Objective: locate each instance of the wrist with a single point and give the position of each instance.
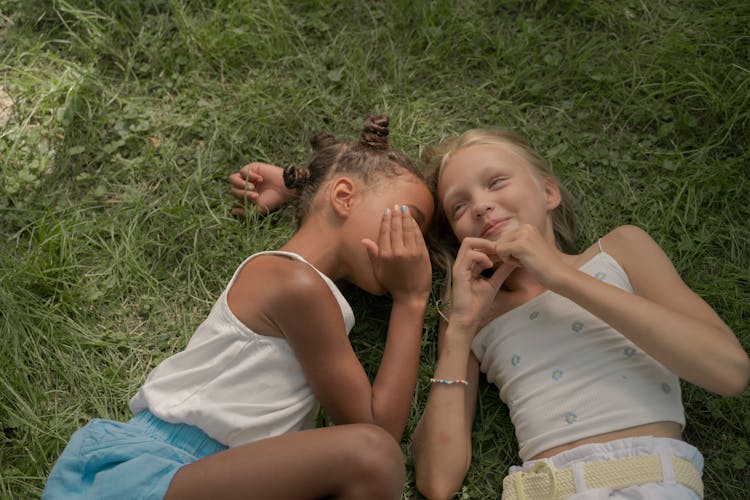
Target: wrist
(464, 323)
(461, 329)
(453, 354)
(565, 282)
(416, 300)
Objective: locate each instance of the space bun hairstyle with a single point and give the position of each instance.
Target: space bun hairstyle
(368, 159)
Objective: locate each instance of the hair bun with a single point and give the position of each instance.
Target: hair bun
(295, 178)
(375, 132)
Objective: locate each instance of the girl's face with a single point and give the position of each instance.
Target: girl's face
(405, 189)
(487, 189)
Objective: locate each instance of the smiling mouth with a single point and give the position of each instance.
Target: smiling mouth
(495, 227)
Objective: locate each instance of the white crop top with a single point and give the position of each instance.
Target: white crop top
(566, 375)
(236, 385)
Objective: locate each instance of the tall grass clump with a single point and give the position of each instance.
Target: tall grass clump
(120, 121)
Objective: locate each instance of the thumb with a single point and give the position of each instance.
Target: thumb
(372, 248)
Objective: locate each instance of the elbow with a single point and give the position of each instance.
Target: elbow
(436, 480)
(737, 378)
(440, 463)
(435, 486)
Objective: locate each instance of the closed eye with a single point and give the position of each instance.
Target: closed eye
(496, 182)
(457, 209)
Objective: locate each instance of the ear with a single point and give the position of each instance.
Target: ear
(552, 195)
(342, 196)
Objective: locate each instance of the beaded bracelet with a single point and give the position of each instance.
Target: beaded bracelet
(449, 381)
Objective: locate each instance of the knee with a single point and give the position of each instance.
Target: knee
(378, 462)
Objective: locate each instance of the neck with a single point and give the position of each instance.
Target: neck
(313, 242)
(520, 279)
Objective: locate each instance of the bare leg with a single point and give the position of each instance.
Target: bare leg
(345, 461)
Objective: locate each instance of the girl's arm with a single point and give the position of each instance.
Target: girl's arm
(671, 322)
(663, 317)
(441, 445)
(442, 441)
(311, 320)
(401, 263)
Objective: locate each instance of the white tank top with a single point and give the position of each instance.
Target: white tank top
(234, 384)
(566, 375)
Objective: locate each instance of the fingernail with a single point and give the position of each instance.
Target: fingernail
(403, 208)
(387, 211)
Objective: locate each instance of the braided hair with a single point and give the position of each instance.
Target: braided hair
(368, 158)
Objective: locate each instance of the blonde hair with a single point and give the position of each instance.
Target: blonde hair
(444, 243)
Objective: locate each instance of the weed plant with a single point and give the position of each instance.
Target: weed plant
(120, 121)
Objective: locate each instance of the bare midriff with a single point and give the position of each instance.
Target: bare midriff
(657, 429)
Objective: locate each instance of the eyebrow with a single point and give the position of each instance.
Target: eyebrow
(453, 192)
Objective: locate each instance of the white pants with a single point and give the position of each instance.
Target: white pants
(623, 448)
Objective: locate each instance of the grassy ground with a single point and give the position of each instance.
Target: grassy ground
(120, 120)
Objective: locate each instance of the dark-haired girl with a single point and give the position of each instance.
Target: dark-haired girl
(232, 415)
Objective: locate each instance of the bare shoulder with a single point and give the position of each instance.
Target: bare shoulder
(289, 284)
(627, 242)
(289, 274)
(627, 233)
(271, 287)
(647, 265)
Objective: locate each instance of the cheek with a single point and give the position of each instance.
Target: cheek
(460, 228)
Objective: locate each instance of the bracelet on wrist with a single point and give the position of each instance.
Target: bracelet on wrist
(449, 381)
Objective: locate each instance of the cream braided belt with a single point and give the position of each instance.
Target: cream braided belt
(545, 483)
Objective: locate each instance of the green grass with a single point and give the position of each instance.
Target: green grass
(120, 120)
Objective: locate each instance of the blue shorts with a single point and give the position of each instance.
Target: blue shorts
(137, 459)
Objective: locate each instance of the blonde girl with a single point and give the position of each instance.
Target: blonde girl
(586, 349)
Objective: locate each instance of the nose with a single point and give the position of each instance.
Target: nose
(480, 209)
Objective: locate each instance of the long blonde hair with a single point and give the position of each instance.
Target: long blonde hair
(443, 243)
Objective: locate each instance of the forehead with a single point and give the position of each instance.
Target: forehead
(470, 161)
(486, 154)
